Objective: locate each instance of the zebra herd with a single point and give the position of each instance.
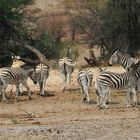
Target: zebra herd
(104, 82)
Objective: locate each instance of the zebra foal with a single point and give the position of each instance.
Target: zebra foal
(42, 74)
(84, 79)
(109, 80)
(15, 76)
(66, 68)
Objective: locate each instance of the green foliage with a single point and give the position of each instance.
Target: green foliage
(49, 46)
(11, 13)
(110, 24)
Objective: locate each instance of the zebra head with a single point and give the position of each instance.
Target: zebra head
(32, 74)
(114, 59)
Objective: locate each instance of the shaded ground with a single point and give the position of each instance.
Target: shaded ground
(62, 116)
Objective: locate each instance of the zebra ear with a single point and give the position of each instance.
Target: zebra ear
(115, 51)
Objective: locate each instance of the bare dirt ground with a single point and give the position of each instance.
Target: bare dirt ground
(62, 116)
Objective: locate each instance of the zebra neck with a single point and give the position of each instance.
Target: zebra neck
(29, 71)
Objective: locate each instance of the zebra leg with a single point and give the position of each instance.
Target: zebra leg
(87, 96)
(28, 89)
(98, 98)
(135, 102)
(69, 80)
(83, 94)
(20, 88)
(3, 92)
(108, 97)
(64, 83)
(128, 97)
(41, 88)
(17, 91)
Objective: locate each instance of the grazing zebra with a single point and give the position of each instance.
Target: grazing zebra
(15, 76)
(123, 59)
(109, 80)
(42, 74)
(84, 79)
(66, 68)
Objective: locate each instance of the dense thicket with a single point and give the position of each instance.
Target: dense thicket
(109, 24)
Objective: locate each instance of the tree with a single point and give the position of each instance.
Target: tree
(109, 24)
(12, 32)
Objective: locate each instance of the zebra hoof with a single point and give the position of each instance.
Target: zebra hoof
(134, 104)
(43, 95)
(87, 102)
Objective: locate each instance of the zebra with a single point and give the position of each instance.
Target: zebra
(17, 63)
(15, 76)
(42, 74)
(84, 79)
(123, 59)
(110, 80)
(66, 68)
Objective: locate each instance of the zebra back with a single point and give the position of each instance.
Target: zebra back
(13, 75)
(66, 66)
(119, 80)
(42, 71)
(85, 77)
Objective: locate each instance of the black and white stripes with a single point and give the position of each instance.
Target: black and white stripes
(123, 59)
(66, 68)
(84, 79)
(42, 74)
(15, 76)
(109, 80)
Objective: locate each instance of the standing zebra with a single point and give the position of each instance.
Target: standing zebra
(109, 80)
(17, 63)
(15, 76)
(66, 68)
(42, 74)
(123, 59)
(84, 79)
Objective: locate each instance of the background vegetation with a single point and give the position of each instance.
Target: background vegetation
(107, 24)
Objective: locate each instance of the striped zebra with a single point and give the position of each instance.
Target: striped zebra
(15, 76)
(123, 59)
(42, 74)
(66, 68)
(84, 79)
(109, 80)
(17, 63)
